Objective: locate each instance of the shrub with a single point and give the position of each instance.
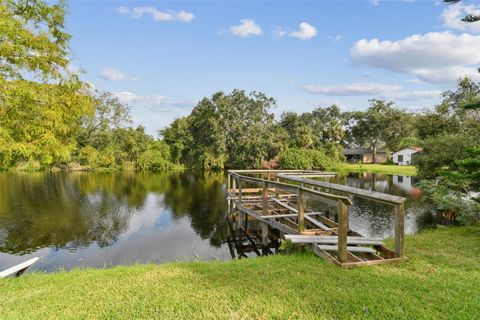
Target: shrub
(319, 159)
(451, 200)
(440, 152)
(295, 158)
(307, 159)
(156, 157)
(152, 160)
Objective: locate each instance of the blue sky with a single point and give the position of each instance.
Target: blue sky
(162, 57)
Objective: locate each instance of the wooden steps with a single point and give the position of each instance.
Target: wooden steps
(333, 239)
(349, 248)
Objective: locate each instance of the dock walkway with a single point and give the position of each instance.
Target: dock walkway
(279, 199)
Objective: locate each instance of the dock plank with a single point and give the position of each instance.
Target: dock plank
(349, 248)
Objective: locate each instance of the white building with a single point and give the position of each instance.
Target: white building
(404, 156)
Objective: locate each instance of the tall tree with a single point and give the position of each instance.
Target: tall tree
(39, 116)
(380, 125)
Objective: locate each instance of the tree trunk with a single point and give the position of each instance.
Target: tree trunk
(374, 158)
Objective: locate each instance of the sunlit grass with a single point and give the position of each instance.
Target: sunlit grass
(441, 281)
(375, 168)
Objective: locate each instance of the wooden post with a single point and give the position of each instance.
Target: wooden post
(268, 176)
(265, 199)
(301, 210)
(399, 230)
(264, 234)
(342, 231)
(234, 187)
(240, 190)
(277, 191)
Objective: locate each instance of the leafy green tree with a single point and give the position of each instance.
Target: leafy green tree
(232, 130)
(33, 39)
(97, 129)
(381, 125)
(369, 127)
(452, 160)
(320, 129)
(38, 119)
(179, 138)
(304, 137)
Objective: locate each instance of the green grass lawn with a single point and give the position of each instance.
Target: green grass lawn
(441, 281)
(375, 168)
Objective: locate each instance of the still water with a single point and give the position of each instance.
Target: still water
(86, 219)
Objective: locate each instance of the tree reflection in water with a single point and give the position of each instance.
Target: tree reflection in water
(125, 217)
(72, 210)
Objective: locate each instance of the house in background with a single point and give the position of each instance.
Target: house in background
(406, 157)
(360, 155)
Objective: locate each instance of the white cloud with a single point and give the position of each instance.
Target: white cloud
(126, 96)
(453, 14)
(306, 31)
(373, 90)
(246, 28)
(156, 103)
(354, 89)
(439, 57)
(157, 15)
(112, 74)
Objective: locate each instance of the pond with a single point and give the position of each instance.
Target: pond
(90, 219)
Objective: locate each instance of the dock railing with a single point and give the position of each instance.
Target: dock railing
(332, 194)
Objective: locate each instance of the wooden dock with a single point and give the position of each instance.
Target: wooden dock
(278, 200)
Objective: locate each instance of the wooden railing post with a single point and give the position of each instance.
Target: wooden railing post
(264, 234)
(301, 210)
(277, 191)
(399, 230)
(342, 231)
(234, 187)
(240, 190)
(265, 198)
(229, 182)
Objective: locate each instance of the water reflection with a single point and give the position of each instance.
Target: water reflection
(245, 239)
(97, 219)
(102, 219)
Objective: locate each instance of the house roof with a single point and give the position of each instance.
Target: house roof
(359, 151)
(416, 149)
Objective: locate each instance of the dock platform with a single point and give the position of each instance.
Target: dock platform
(279, 201)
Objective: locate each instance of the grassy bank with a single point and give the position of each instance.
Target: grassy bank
(441, 281)
(375, 168)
